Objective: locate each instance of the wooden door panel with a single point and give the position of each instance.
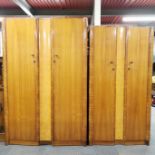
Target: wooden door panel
(102, 84)
(137, 60)
(22, 81)
(69, 48)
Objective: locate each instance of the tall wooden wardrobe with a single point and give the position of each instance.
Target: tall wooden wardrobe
(21, 81)
(120, 84)
(63, 80)
(45, 80)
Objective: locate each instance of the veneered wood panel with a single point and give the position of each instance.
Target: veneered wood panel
(102, 84)
(21, 62)
(69, 49)
(5, 82)
(136, 85)
(45, 80)
(149, 97)
(121, 36)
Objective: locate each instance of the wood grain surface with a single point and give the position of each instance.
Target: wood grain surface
(102, 84)
(45, 80)
(21, 82)
(136, 90)
(149, 96)
(121, 36)
(69, 56)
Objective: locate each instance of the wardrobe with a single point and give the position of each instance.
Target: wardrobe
(45, 82)
(120, 84)
(63, 80)
(69, 84)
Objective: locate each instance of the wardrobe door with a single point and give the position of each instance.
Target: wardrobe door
(69, 110)
(45, 79)
(137, 92)
(21, 81)
(102, 85)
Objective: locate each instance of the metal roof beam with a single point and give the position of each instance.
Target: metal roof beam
(63, 12)
(73, 12)
(105, 12)
(24, 6)
(11, 12)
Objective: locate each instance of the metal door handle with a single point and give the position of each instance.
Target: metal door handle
(129, 65)
(113, 64)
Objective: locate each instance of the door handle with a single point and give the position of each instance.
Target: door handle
(113, 64)
(129, 65)
(34, 58)
(55, 57)
(130, 62)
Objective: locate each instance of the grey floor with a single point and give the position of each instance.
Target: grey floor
(88, 150)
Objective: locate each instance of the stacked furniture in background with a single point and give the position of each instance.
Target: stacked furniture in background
(1, 101)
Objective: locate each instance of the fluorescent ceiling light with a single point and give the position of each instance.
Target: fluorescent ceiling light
(138, 18)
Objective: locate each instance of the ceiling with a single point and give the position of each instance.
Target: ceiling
(81, 4)
(7, 4)
(114, 7)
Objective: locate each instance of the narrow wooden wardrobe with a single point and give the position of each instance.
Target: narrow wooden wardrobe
(120, 84)
(21, 81)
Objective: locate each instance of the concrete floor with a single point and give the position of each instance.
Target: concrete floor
(88, 150)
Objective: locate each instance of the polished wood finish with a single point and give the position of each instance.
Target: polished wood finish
(137, 84)
(21, 81)
(5, 82)
(119, 113)
(102, 84)
(69, 70)
(149, 97)
(45, 78)
(119, 82)
(119, 108)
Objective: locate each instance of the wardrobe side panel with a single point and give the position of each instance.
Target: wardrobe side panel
(120, 78)
(45, 79)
